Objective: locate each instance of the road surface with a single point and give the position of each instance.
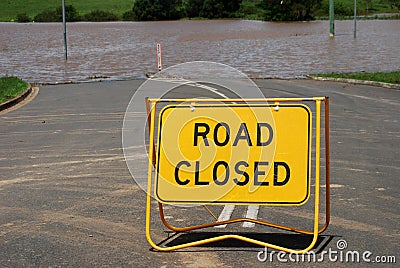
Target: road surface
(67, 197)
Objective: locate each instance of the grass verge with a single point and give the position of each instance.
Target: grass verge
(11, 87)
(386, 77)
(10, 9)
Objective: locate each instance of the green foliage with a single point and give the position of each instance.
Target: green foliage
(144, 10)
(11, 87)
(47, 16)
(343, 10)
(212, 9)
(10, 8)
(129, 16)
(395, 4)
(251, 9)
(100, 15)
(71, 14)
(193, 8)
(386, 77)
(290, 10)
(23, 17)
(148, 10)
(46, 10)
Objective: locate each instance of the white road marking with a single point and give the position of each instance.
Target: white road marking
(225, 215)
(193, 84)
(214, 90)
(252, 212)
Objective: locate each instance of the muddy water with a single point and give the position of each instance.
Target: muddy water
(124, 50)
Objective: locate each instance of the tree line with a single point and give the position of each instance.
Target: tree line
(271, 10)
(151, 10)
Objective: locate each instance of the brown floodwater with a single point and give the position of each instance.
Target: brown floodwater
(126, 50)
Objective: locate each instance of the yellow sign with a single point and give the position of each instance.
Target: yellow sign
(234, 153)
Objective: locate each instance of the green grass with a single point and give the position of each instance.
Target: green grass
(368, 6)
(345, 8)
(10, 8)
(387, 77)
(11, 87)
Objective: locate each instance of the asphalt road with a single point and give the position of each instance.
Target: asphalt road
(67, 198)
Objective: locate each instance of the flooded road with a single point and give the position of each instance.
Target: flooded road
(126, 50)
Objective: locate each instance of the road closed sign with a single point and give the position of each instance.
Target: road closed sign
(233, 153)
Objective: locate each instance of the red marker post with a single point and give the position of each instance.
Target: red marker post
(159, 57)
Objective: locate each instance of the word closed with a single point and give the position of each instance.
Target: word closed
(233, 154)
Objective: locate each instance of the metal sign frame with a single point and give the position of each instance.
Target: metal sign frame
(151, 105)
(184, 116)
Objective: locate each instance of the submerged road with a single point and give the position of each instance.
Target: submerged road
(67, 197)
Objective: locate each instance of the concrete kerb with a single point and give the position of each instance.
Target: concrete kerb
(16, 100)
(357, 82)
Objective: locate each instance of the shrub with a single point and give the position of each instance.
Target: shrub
(23, 17)
(149, 10)
(11, 87)
(47, 16)
(343, 10)
(100, 15)
(71, 14)
(129, 16)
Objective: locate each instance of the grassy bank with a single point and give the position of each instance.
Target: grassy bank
(11, 87)
(387, 77)
(366, 7)
(10, 9)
